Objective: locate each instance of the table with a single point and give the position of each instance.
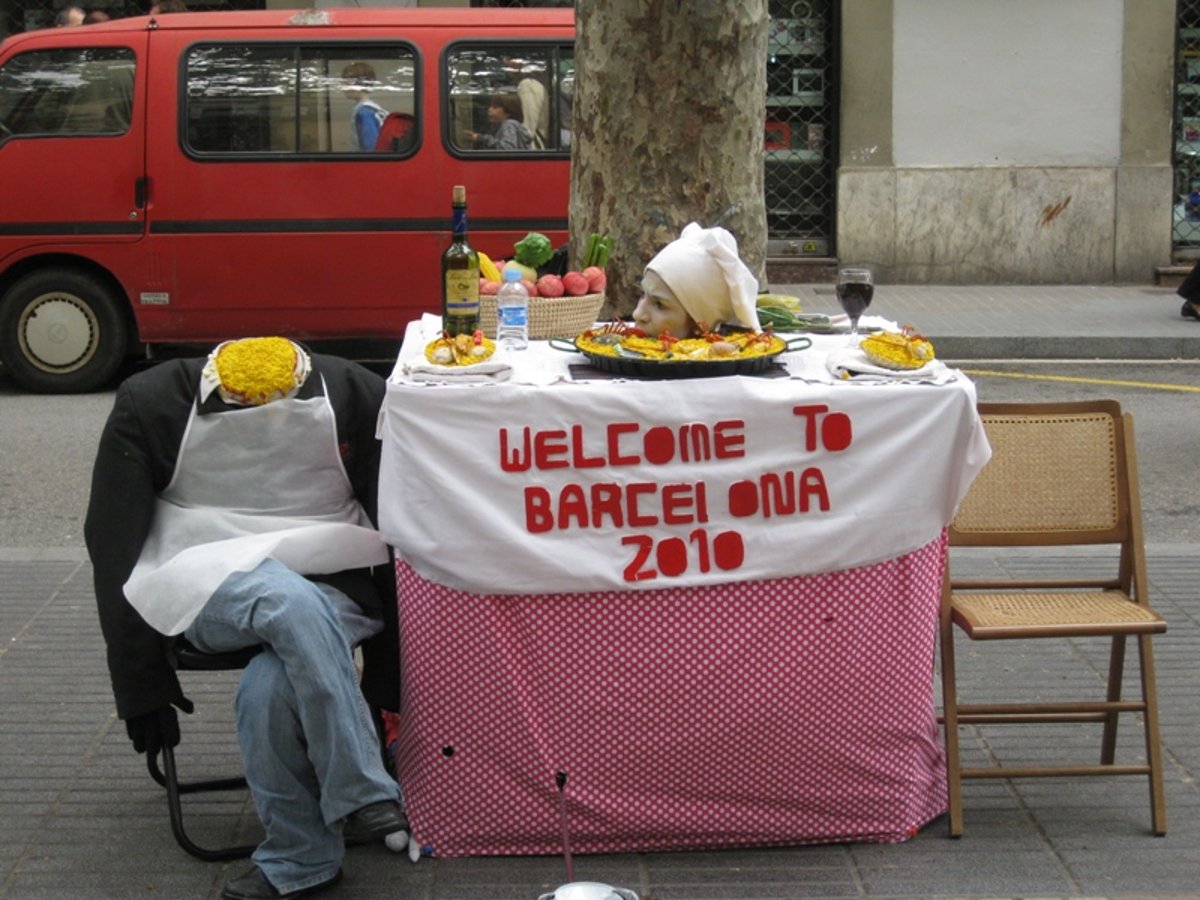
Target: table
(712, 603)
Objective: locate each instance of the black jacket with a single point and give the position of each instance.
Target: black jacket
(135, 462)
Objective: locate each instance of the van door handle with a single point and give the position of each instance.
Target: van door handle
(139, 192)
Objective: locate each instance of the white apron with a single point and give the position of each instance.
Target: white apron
(232, 503)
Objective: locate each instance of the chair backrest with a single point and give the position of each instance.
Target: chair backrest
(1060, 473)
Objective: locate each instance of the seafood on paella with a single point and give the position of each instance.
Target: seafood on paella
(459, 350)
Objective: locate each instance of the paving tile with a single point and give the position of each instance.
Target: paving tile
(82, 819)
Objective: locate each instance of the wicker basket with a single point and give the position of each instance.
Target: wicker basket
(549, 317)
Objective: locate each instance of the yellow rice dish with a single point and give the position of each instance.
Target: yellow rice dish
(735, 345)
(460, 350)
(898, 350)
(254, 371)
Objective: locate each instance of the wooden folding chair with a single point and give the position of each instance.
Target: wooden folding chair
(1061, 475)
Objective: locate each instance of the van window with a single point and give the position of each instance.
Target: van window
(67, 92)
(290, 100)
(531, 82)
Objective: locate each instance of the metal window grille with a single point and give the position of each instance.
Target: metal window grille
(798, 146)
(1186, 233)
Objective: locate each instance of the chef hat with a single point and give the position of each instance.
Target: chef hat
(704, 272)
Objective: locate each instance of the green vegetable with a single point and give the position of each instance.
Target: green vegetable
(533, 250)
(774, 315)
(785, 320)
(598, 249)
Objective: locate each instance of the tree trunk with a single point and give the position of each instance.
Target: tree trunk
(668, 119)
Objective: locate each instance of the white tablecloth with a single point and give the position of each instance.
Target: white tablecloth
(560, 479)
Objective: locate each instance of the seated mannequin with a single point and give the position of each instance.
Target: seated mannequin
(233, 502)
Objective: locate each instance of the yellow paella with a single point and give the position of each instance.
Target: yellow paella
(460, 350)
(626, 342)
(898, 350)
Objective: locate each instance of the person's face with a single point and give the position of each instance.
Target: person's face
(75, 17)
(496, 114)
(659, 311)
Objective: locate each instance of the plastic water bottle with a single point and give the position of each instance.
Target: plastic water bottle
(512, 312)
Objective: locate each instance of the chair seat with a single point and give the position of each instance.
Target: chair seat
(995, 616)
(182, 655)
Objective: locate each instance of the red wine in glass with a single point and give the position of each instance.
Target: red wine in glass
(855, 288)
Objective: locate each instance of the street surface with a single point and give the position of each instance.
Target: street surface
(1163, 398)
(47, 442)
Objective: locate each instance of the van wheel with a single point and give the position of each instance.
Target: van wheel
(61, 332)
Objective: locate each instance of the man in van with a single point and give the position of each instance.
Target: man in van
(69, 15)
(232, 505)
(368, 116)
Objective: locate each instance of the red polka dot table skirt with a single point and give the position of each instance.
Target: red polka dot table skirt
(790, 711)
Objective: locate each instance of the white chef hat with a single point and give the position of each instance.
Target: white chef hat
(704, 272)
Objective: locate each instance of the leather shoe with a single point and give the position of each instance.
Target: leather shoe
(1189, 311)
(253, 885)
(373, 823)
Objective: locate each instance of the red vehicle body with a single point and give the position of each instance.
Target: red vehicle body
(208, 190)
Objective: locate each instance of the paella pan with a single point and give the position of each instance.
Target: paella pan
(623, 350)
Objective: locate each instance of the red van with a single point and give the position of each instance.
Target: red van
(199, 176)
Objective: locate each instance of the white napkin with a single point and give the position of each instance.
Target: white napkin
(479, 373)
(853, 364)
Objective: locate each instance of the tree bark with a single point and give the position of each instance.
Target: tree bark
(667, 125)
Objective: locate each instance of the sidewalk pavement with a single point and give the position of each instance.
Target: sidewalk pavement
(1052, 322)
(82, 819)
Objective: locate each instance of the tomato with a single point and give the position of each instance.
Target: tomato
(575, 284)
(550, 286)
(596, 279)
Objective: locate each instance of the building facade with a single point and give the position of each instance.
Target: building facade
(1022, 142)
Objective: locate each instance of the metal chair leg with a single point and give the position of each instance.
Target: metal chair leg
(168, 778)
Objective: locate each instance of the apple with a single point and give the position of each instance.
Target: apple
(530, 286)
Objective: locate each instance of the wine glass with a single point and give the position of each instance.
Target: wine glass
(855, 288)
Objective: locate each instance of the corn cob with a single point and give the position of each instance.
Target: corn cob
(487, 268)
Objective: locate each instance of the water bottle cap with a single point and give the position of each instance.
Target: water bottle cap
(512, 274)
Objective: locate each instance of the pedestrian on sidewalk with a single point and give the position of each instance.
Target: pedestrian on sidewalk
(233, 503)
(1190, 292)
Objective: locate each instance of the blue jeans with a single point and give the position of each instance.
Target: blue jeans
(310, 750)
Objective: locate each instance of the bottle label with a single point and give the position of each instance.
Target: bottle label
(462, 291)
(513, 316)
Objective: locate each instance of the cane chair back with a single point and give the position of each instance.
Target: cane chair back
(1061, 475)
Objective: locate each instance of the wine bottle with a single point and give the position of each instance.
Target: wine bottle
(460, 273)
